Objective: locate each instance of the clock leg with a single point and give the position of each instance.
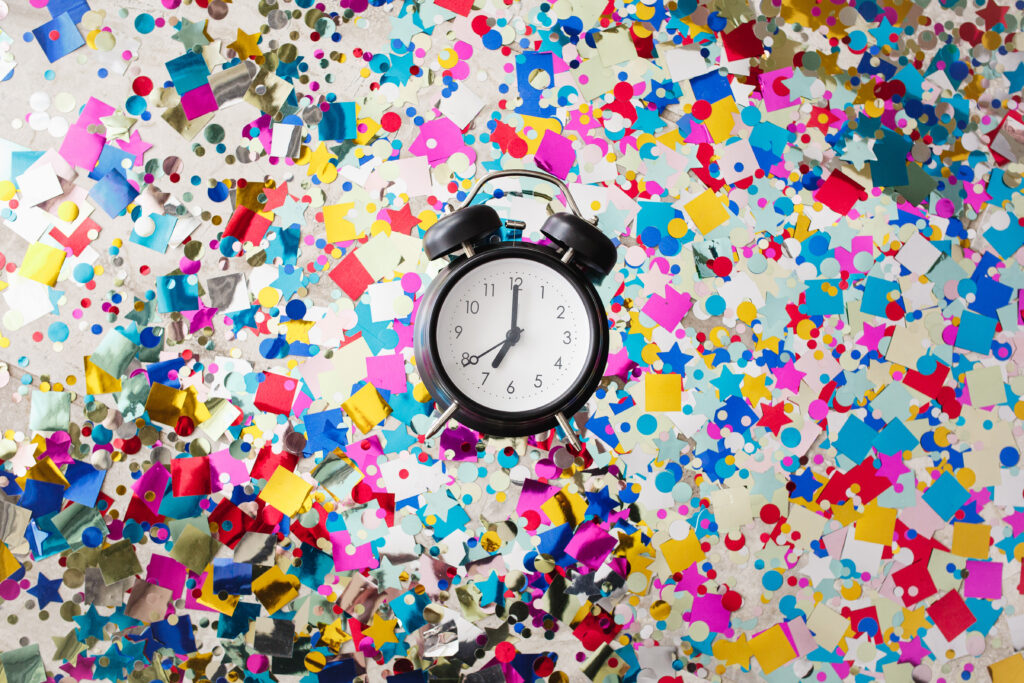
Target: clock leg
(442, 420)
(570, 433)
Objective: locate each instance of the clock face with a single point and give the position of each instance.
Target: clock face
(514, 335)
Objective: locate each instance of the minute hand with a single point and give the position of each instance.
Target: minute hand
(513, 330)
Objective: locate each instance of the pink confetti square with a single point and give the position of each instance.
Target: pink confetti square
(555, 154)
(591, 545)
(92, 112)
(668, 310)
(168, 573)
(386, 372)
(81, 148)
(776, 93)
(984, 580)
(351, 557)
(198, 102)
(151, 486)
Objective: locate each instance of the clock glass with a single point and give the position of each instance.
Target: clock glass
(514, 334)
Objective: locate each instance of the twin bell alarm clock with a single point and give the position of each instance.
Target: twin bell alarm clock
(511, 338)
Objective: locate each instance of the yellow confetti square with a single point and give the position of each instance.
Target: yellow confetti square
(876, 525)
(706, 211)
(1009, 670)
(663, 392)
(338, 228)
(98, 380)
(565, 508)
(285, 491)
(164, 404)
(367, 408)
(681, 554)
(971, 540)
(772, 649)
(42, 263)
(721, 122)
(275, 589)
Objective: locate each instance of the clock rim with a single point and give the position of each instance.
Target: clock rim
(473, 414)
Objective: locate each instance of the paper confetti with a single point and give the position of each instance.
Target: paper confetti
(803, 462)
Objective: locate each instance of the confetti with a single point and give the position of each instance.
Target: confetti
(803, 462)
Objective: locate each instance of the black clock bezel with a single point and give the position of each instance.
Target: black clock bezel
(471, 413)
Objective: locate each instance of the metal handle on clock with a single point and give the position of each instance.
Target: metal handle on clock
(539, 175)
(442, 420)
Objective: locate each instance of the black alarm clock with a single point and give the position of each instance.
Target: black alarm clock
(511, 338)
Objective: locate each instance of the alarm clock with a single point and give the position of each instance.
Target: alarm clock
(511, 338)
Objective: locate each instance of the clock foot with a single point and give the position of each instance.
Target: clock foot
(442, 420)
(570, 433)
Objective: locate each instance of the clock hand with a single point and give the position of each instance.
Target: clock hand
(510, 340)
(469, 359)
(513, 332)
(515, 307)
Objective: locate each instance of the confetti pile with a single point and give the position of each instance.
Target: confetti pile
(803, 463)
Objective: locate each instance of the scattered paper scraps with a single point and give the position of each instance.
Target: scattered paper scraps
(803, 462)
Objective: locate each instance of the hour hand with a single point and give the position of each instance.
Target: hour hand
(510, 340)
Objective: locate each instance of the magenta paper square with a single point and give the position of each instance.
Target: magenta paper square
(984, 580)
(198, 102)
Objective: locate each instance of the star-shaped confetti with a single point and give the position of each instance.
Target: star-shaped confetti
(192, 34)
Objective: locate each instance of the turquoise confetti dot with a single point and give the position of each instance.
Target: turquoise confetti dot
(133, 531)
(58, 332)
(926, 365)
(665, 482)
(772, 581)
(647, 424)
(790, 437)
(144, 23)
(715, 305)
(135, 105)
(83, 273)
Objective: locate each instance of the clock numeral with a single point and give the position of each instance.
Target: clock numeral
(486, 374)
(538, 382)
(515, 282)
(488, 289)
(558, 363)
(458, 331)
(542, 291)
(561, 312)
(510, 388)
(472, 307)
(566, 337)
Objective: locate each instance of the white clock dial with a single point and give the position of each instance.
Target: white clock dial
(495, 365)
